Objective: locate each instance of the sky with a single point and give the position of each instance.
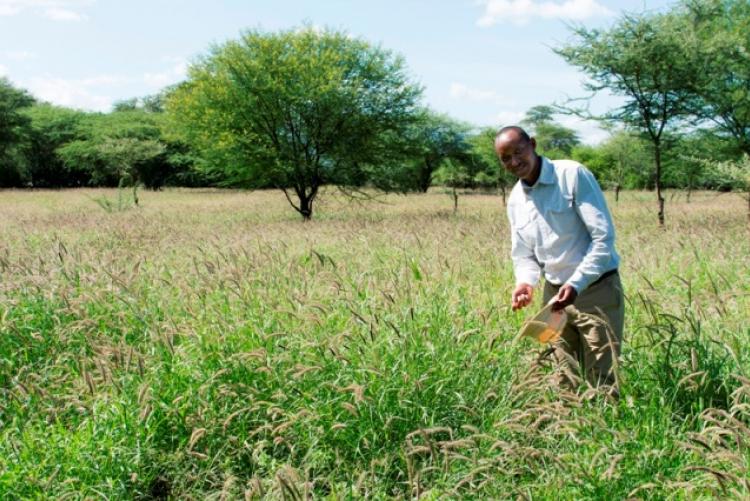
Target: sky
(481, 61)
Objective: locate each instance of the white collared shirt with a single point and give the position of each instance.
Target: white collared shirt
(561, 225)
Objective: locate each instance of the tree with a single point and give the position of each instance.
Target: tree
(645, 59)
(553, 140)
(690, 155)
(294, 110)
(489, 171)
(736, 174)
(454, 175)
(125, 105)
(721, 81)
(120, 148)
(51, 127)
(628, 157)
(432, 140)
(13, 129)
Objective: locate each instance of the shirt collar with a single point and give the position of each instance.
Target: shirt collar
(546, 176)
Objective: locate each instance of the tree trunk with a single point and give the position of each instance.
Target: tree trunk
(425, 176)
(617, 192)
(659, 197)
(455, 200)
(305, 206)
(502, 190)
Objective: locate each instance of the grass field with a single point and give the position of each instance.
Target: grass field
(211, 345)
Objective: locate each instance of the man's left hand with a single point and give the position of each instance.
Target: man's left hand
(565, 296)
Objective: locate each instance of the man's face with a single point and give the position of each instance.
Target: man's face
(516, 154)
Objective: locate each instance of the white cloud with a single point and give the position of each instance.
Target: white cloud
(174, 74)
(57, 14)
(462, 91)
(589, 131)
(57, 10)
(3, 70)
(72, 93)
(522, 11)
(8, 10)
(508, 117)
(19, 55)
(101, 80)
(99, 92)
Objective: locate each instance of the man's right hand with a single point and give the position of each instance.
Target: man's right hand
(522, 296)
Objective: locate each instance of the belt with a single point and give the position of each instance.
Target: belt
(604, 275)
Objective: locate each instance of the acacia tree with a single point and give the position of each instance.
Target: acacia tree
(645, 59)
(489, 171)
(453, 175)
(722, 85)
(628, 154)
(552, 139)
(294, 110)
(434, 139)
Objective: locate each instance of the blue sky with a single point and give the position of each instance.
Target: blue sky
(482, 61)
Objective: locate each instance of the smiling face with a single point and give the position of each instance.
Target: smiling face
(518, 155)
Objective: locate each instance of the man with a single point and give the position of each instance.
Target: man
(560, 225)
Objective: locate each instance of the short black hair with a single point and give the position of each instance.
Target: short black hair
(516, 129)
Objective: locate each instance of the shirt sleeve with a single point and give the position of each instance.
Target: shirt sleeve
(525, 265)
(592, 209)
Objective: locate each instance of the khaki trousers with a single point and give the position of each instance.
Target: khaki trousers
(591, 340)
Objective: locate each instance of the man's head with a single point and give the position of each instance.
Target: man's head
(517, 152)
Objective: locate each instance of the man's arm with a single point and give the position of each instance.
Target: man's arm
(525, 267)
(592, 209)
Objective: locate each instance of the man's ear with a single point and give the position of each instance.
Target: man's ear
(533, 142)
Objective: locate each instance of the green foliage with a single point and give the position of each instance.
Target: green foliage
(622, 161)
(488, 173)
(123, 147)
(454, 175)
(722, 81)
(553, 140)
(690, 156)
(645, 59)
(432, 141)
(13, 130)
(294, 110)
(51, 128)
(730, 174)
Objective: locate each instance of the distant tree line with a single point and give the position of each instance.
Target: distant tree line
(301, 109)
(46, 146)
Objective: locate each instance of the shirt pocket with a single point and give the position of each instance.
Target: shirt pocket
(559, 220)
(525, 229)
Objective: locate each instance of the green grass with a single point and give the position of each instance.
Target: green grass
(208, 344)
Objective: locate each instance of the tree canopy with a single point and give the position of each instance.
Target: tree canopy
(721, 82)
(295, 110)
(553, 140)
(646, 59)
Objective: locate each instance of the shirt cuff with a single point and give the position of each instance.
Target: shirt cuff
(579, 282)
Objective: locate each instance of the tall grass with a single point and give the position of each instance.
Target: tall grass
(207, 344)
